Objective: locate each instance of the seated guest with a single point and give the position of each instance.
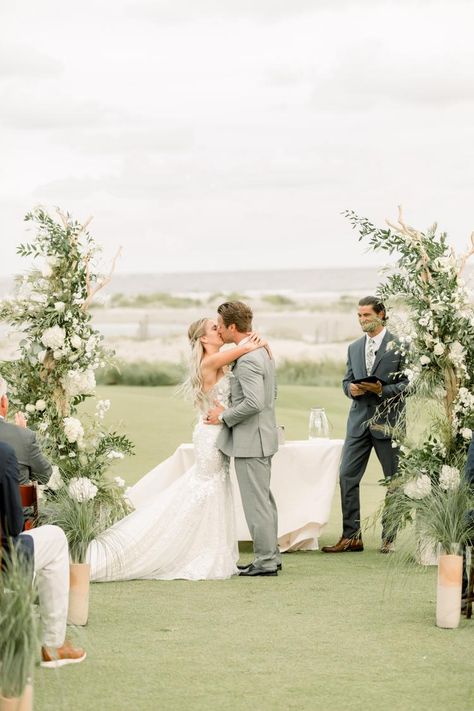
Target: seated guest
(47, 547)
(32, 463)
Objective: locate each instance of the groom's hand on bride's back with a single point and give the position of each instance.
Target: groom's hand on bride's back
(212, 417)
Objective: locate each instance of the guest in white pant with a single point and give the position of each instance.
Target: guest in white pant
(47, 547)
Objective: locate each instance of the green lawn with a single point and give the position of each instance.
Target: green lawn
(331, 632)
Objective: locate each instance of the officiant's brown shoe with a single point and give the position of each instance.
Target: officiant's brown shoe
(345, 545)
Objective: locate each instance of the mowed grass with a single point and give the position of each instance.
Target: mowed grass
(344, 632)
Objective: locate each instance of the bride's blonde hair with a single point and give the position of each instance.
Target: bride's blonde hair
(193, 385)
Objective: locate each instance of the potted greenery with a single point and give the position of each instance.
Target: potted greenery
(19, 636)
(78, 513)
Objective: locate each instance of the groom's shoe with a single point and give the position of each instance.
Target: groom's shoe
(345, 545)
(252, 572)
(244, 567)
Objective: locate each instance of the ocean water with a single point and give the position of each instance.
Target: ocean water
(302, 281)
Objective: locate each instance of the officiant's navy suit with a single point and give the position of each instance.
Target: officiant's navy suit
(362, 436)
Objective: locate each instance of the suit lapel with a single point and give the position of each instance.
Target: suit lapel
(361, 355)
(382, 350)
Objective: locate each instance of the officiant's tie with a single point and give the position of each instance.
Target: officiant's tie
(370, 356)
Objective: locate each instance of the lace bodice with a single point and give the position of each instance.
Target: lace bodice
(220, 391)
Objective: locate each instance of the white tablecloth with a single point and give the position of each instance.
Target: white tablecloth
(304, 477)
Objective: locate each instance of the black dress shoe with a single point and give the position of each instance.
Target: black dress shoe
(253, 572)
(244, 567)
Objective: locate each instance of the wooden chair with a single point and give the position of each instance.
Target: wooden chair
(29, 499)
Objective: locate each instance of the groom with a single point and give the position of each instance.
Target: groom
(250, 436)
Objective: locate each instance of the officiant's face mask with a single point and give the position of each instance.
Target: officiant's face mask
(369, 320)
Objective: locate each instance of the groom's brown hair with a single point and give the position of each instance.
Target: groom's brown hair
(238, 313)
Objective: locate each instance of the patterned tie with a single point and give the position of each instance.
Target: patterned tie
(370, 356)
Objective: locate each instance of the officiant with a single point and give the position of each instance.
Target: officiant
(374, 382)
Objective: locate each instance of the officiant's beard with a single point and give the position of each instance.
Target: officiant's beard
(373, 325)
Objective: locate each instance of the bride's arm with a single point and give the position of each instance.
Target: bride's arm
(218, 360)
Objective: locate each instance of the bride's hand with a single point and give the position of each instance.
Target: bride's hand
(256, 341)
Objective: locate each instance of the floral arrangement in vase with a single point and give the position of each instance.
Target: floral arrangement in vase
(434, 319)
(59, 353)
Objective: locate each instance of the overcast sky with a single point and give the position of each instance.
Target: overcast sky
(230, 134)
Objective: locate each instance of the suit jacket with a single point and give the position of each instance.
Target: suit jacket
(469, 470)
(11, 512)
(250, 426)
(32, 463)
(387, 366)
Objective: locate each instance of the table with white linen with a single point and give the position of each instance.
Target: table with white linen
(304, 477)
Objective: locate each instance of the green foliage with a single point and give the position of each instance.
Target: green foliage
(157, 298)
(80, 521)
(19, 628)
(278, 300)
(307, 372)
(143, 373)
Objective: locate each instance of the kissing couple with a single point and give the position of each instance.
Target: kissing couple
(189, 531)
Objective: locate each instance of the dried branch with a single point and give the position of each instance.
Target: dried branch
(466, 256)
(92, 291)
(415, 236)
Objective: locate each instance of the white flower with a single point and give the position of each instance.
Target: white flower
(76, 342)
(119, 481)
(57, 355)
(438, 349)
(30, 408)
(55, 482)
(424, 320)
(73, 429)
(43, 426)
(52, 261)
(46, 270)
(114, 455)
(59, 306)
(424, 360)
(54, 337)
(41, 356)
(81, 489)
(443, 264)
(418, 488)
(466, 433)
(457, 353)
(40, 405)
(449, 477)
(78, 382)
(39, 298)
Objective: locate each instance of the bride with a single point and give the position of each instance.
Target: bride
(189, 531)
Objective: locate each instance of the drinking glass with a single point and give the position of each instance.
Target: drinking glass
(318, 424)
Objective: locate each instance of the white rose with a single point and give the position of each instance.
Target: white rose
(76, 342)
(82, 489)
(79, 382)
(438, 349)
(466, 433)
(57, 355)
(59, 306)
(40, 405)
(449, 478)
(55, 482)
(424, 360)
(119, 481)
(54, 337)
(30, 408)
(73, 429)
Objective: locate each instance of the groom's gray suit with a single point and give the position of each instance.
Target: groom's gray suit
(250, 436)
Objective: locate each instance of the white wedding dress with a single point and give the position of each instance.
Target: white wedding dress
(188, 532)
